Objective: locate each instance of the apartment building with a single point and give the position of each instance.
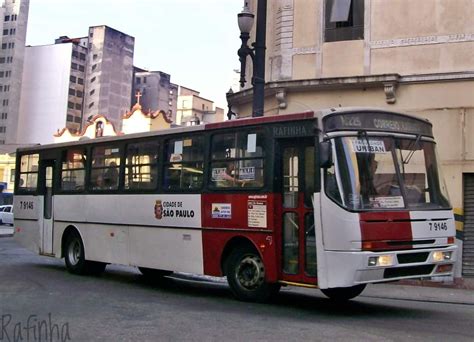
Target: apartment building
(109, 74)
(13, 22)
(156, 92)
(194, 109)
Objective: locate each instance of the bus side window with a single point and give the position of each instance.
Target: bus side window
(184, 163)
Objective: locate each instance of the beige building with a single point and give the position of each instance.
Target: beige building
(193, 109)
(409, 56)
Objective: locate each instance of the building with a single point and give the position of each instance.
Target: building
(109, 73)
(194, 109)
(134, 121)
(52, 89)
(410, 56)
(14, 19)
(156, 91)
(66, 83)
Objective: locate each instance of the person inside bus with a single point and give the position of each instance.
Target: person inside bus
(111, 176)
(230, 177)
(367, 169)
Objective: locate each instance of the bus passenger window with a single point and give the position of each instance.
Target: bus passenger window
(141, 170)
(73, 163)
(237, 160)
(184, 163)
(28, 179)
(105, 168)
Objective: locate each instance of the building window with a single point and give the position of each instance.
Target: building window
(77, 119)
(2, 74)
(144, 79)
(9, 59)
(12, 31)
(5, 102)
(7, 18)
(70, 118)
(4, 116)
(138, 80)
(11, 45)
(92, 79)
(78, 106)
(79, 93)
(94, 57)
(3, 129)
(70, 105)
(74, 54)
(92, 92)
(73, 79)
(81, 68)
(72, 92)
(14, 17)
(94, 67)
(82, 56)
(8, 73)
(5, 32)
(73, 66)
(80, 80)
(91, 104)
(344, 20)
(4, 46)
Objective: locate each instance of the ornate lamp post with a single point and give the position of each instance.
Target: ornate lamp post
(257, 52)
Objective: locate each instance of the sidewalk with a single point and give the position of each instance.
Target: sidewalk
(420, 293)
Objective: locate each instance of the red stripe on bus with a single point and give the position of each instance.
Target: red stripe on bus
(234, 215)
(385, 230)
(260, 120)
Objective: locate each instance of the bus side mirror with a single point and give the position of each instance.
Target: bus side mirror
(325, 154)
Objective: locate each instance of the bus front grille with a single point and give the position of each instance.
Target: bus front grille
(407, 271)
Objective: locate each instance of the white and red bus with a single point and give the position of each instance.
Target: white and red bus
(332, 200)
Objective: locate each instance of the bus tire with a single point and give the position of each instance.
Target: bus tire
(245, 273)
(74, 257)
(154, 274)
(342, 294)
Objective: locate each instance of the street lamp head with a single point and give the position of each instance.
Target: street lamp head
(245, 19)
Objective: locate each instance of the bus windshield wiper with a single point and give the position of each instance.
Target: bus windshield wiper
(412, 150)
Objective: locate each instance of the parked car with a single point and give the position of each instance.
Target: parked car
(6, 214)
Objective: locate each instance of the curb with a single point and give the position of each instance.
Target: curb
(456, 283)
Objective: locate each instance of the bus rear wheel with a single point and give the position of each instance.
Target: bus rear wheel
(341, 294)
(246, 276)
(74, 256)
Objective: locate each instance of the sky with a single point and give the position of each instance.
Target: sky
(195, 41)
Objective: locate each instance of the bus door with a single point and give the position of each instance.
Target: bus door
(296, 181)
(46, 182)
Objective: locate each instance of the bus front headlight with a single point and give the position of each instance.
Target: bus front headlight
(381, 260)
(441, 256)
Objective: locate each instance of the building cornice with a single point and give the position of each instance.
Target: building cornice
(388, 82)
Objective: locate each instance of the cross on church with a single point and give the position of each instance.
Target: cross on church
(138, 95)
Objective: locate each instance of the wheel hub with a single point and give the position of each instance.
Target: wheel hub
(250, 272)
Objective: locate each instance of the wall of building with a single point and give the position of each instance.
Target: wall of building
(12, 55)
(110, 74)
(44, 100)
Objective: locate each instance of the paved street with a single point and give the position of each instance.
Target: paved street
(121, 306)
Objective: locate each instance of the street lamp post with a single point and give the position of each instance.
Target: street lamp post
(257, 53)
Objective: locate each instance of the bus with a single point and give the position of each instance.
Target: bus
(332, 199)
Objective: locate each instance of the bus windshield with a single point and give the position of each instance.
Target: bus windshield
(381, 173)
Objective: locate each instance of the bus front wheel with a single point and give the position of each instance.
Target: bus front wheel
(74, 256)
(343, 293)
(246, 276)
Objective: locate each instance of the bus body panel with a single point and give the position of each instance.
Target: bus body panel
(28, 221)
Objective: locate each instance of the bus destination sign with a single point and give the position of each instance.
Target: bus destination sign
(373, 121)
